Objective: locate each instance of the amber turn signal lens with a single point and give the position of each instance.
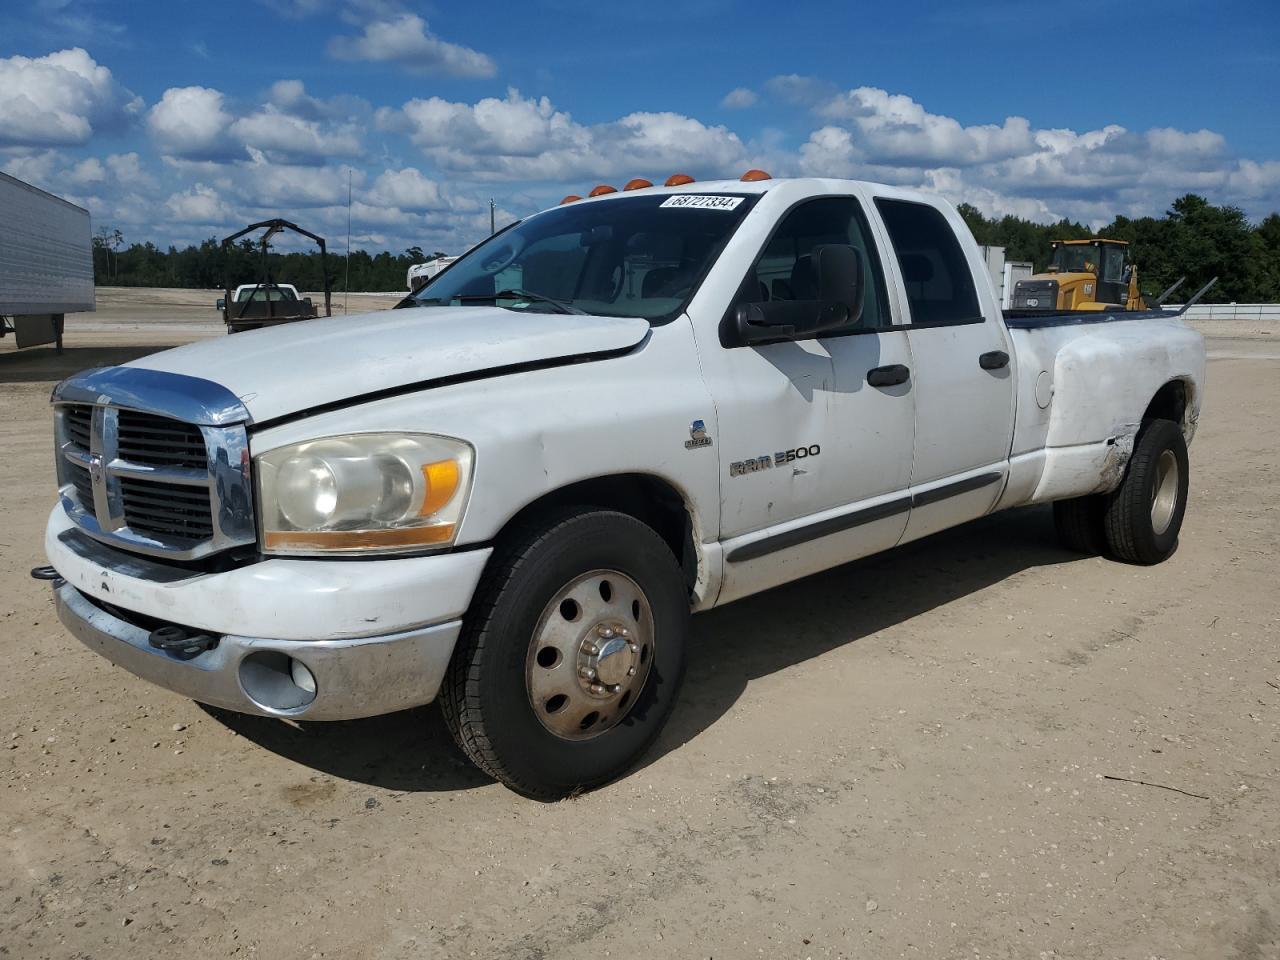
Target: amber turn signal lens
(442, 483)
(679, 180)
(752, 175)
(570, 198)
(639, 183)
(348, 540)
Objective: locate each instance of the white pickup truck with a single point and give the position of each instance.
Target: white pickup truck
(511, 494)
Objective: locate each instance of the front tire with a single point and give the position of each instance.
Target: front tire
(571, 655)
(1144, 514)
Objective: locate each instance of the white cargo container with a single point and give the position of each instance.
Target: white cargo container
(46, 263)
(1014, 270)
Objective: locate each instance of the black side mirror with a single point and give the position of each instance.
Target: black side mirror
(838, 283)
(221, 304)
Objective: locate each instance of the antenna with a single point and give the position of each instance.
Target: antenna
(492, 206)
(346, 283)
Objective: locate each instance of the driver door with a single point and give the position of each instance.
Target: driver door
(815, 462)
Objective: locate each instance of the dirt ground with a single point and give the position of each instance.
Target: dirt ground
(930, 753)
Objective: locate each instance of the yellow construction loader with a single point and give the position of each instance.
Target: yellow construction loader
(1094, 274)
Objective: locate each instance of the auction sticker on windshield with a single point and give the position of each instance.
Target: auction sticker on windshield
(701, 200)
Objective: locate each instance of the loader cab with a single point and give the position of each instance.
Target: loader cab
(1102, 272)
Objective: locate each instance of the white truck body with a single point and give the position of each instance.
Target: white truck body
(276, 291)
(420, 273)
(779, 459)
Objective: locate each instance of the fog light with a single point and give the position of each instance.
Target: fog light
(302, 677)
(276, 681)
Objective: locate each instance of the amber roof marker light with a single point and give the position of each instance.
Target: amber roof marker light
(570, 199)
(678, 180)
(751, 176)
(601, 190)
(639, 183)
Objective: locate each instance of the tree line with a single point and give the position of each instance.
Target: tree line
(209, 266)
(1194, 239)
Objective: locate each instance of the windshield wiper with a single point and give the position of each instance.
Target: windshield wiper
(562, 306)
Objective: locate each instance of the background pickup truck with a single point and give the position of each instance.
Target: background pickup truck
(256, 305)
(511, 494)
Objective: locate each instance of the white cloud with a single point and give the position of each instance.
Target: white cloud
(407, 189)
(739, 98)
(406, 40)
(285, 136)
(526, 138)
(128, 171)
(200, 204)
(894, 128)
(191, 122)
(1011, 167)
(87, 172)
(60, 100)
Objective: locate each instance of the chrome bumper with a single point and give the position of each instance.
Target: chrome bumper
(353, 678)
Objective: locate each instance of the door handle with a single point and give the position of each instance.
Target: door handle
(890, 376)
(993, 360)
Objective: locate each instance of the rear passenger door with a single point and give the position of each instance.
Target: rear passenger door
(961, 369)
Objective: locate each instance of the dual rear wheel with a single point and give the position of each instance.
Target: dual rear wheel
(1140, 520)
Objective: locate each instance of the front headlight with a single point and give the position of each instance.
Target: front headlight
(363, 493)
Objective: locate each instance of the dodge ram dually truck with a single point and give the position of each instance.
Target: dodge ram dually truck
(511, 494)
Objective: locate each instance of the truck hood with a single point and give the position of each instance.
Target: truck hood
(297, 366)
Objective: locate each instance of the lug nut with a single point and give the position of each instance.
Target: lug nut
(592, 649)
(587, 673)
(615, 688)
(598, 689)
(633, 646)
(631, 672)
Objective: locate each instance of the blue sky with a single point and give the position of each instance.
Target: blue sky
(181, 120)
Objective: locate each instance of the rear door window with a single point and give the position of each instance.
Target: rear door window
(938, 281)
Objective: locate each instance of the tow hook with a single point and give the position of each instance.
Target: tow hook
(46, 573)
(181, 642)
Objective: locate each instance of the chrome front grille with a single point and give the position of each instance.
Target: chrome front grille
(147, 481)
(160, 441)
(167, 510)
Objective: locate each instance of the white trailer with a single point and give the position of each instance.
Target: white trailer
(46, 263)
(1014, 270)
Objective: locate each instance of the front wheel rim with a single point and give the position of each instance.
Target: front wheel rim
(1164, 491)
(590, 654)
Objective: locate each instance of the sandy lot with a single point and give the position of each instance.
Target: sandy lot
(905, 757)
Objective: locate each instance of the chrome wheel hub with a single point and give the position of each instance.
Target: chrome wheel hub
(590, 654)
(1164, 492)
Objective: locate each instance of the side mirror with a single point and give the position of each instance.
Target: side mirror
(837, 281)
(221, 304)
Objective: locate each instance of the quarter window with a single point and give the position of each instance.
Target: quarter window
(937, 277)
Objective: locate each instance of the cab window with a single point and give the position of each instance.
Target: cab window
(938, 281)
(784, 270)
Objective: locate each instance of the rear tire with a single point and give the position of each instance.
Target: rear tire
(1079, 523)
(538, 693)
(1144, 514)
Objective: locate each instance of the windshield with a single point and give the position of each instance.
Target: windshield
(1078, 258)
(624, 257)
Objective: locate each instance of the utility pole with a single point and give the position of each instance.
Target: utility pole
(346, 284)
(492, 207)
